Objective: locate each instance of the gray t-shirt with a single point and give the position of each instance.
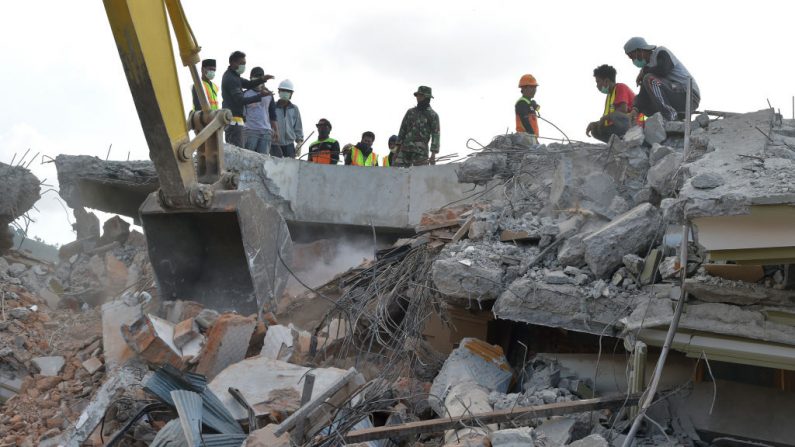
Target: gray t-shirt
(259, 114)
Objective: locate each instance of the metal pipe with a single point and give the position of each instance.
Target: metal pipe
(648, 398)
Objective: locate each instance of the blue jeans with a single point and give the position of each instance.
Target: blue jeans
(259, 140)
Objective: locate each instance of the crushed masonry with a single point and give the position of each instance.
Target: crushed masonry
(510, 298)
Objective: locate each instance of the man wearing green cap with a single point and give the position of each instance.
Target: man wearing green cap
(420, 125)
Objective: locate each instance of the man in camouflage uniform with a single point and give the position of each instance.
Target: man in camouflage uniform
(420, 125)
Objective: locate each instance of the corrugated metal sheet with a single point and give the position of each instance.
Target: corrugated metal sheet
(170, 436)
(189, 408)
(214, 414)
(223, 440)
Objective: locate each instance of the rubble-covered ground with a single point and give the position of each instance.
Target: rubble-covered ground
(579, 239)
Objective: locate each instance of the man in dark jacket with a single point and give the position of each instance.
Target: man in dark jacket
(232, 86)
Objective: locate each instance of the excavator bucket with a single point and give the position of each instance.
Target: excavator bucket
(231, 256)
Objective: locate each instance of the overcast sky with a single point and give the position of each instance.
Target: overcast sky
(357, 63)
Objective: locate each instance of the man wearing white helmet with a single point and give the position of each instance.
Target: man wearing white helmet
(288, 121)
(662, 80)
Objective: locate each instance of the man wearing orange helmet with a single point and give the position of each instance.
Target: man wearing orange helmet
(526, 108)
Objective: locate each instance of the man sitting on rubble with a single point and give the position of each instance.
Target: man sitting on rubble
(325, 150)
(618, 104)
(662, 79)
(361, 153)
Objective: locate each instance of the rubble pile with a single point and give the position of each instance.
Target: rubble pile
(431, 340)
(51, 360)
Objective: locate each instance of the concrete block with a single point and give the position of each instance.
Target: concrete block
(92, 365)
(558, 277)
(473, 362)
(185, 331)
(482, 168)
(590, 441)
(49, 366)
(460, 283)
(649, 273)
(557, 430)
(513, 437)
(269, 384)
(572, 251)
(227, 343)
(206, 318)
(633, 263)
(654, 130)
(634, 137)
(116, 314)
(663, 176)
(278, 343)
(657, 153)
(707, 180)
(632, 232)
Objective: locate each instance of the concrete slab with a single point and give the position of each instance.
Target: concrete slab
(260, 379)
(557, 430)
(114, 315)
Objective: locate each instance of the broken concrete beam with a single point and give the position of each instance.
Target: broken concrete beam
(461, 281)
(152, 339)
(632, 232)
(20, 191)
(740, 293)
(558, 305)
(227, 343)
(474, 362)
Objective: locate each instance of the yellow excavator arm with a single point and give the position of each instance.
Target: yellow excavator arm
(207, 242)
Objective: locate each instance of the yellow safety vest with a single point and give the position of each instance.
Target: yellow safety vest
(357, 158)
(211, 91)
(385, 163)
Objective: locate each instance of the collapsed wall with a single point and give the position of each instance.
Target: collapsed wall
(20, 192)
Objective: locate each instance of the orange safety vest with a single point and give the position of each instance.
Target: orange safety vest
(357, 158)
(532, 118)
(385, 162)
(322, 157)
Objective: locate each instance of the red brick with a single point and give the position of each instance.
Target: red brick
(227, 343)
(142, 337)
(185, 331)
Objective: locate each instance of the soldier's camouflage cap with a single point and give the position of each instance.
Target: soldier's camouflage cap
(424, 90)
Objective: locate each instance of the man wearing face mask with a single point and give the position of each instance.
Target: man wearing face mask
(361, 153)
(260, 116)
(232, 86)
(288, 120)
(420, 125)
(526, 108)
(325, 150)
(210, 88)
(662, 80)
(618, 104)
(389, 160)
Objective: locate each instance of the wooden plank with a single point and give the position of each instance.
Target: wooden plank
(302, 412)
(463, 231)
(515, 415)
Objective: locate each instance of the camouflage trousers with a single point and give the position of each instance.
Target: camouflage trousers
(411, 156)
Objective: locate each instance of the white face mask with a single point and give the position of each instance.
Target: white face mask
(241, 69)
(285, 95)
(210, 74)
